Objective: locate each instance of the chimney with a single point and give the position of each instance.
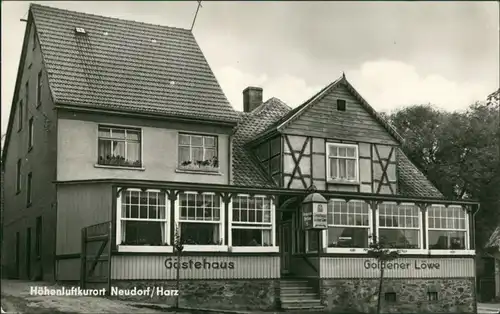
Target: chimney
(252, 98)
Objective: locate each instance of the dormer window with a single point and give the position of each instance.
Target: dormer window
(341, 104)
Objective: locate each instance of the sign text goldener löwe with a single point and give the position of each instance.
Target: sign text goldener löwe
(416, 264)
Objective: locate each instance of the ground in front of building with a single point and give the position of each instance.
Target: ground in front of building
(16, 298)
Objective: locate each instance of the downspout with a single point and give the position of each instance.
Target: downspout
(475, 258)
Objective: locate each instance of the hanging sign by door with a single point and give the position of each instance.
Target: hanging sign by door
(314, 212)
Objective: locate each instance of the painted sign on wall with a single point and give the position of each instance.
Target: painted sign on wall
(315, 218)
(403, 267)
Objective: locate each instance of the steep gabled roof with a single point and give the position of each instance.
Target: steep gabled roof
(246, 170)
(295, 113)
(122, 65)
(265, 119)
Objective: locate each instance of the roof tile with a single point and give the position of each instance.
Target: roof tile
(116, 65)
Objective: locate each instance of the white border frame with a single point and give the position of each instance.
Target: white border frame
(327, 161)
(327, 249)
(142, 248)
(252, 249)
(203, 248)
(421, 230)
(467, 250)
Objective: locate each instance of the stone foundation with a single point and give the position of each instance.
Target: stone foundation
(360, 295)
(213, 294)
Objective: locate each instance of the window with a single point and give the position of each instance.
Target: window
(29, 184)
(200, 220)
(342, 163)
(447, 228)
(20, 116)
(18, 176)
(119, 147)
(399, 225)
(198, 152)
(341, 105)
(34, 39)
(312, 243)
(31, 134)
(432, 296)
(27, 94)
(143, 218)
(349, 224)
(38, 244)
(39, 89)
(252, 223)
(390, 297)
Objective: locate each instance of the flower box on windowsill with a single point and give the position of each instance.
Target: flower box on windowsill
(198, 169)
(119, 167)
(118, 161)
(145, 248)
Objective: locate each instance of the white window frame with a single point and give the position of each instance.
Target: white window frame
(253, 249)
(466, 251)
(349, 250)
(420, 250)
(217, 144)
(327, 157)
(142, 248)
(124, 128)
(221, 222)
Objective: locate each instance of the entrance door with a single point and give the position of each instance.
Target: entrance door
(286, 244)
(28, 253)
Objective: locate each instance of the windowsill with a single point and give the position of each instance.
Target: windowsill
(254, 249)
(365, 251)
(451, 252)
(145, 248)
(30, 149)
(344, 250)
(119, 167)
(344, 182)
(205, 248)
(193, 171)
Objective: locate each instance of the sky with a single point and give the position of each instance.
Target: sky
(394, 53)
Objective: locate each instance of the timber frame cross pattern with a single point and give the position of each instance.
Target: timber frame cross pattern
(96, 255)
(384, 179)
(296, 160)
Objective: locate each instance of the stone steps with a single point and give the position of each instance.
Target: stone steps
(298, 295)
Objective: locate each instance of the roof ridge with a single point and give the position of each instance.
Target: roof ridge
(108, 17)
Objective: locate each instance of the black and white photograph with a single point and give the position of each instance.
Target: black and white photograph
(250, 157)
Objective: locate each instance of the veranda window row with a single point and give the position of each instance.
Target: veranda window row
(398, 226)
(143, 219)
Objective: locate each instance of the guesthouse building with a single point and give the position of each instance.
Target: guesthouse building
(121, 145)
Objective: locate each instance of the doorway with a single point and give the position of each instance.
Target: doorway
(286, 251)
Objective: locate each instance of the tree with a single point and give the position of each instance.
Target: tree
(458, 151)
(382, 255)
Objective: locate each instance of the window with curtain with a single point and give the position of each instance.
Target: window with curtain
(399, 225)
(342, 162)
(200, 218)
(348, 224)
(251, 223)
(143, 218)
(447, 227)
(119, 147)
(198, 152)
